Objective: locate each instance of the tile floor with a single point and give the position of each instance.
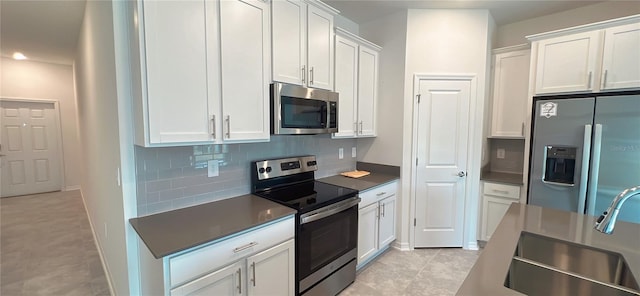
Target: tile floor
(420, 272)
(47, 248)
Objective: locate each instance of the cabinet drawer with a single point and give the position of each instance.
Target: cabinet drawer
(190, 265)
(502, 190)
(377, 193)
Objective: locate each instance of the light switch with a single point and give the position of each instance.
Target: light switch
(500, 153)
(213, 168)
(340, 153)
(353, 151)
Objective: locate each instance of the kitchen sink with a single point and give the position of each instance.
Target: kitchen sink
(546, 266)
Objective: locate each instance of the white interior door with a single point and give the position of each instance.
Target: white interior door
(30, 159)
(442, 133)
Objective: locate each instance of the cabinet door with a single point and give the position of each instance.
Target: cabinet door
(225, 281)
(567, 63)
(510, 92)
(346, 86)
(289, 40)
(271, 272)
(367, 232)
(493, 209)
(387, 221)
(176, 71)
(319, 48)
(367, 91)
(621, 59)
(245, 43)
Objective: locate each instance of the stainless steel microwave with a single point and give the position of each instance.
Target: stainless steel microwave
(297, 110)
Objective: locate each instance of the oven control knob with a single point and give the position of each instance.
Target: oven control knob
(268, 169)
(261, 170)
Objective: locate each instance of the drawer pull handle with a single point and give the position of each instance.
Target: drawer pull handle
(501, 191)
(381, 194)
(249, 245)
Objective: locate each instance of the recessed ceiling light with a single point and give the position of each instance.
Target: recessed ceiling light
(19, 56)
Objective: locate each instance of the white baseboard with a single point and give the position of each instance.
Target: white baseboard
(401, 246)
(71, 188)
(472, 246)
(105, 268)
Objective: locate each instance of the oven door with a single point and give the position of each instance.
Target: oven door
(324, 236)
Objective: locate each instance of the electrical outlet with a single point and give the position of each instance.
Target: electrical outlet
(353, 151)
(500, 153)
(340, 153)
(213, 169)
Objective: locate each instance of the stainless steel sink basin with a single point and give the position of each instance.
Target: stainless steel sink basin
(546, 266)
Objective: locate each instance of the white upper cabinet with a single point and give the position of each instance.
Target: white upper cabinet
(510, 90)
(201, 63)
(346, 82)
(567, 63)
(621, 57)
(303, 43)
(174, 53)
(367, 90)
(244, 29)
(356, 82)
(590, 58)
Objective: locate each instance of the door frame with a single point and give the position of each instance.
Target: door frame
(474, 143)
(56, 112)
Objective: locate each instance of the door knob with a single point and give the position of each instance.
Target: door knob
(461, 174)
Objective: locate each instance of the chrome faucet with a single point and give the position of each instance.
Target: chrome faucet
(607, 221)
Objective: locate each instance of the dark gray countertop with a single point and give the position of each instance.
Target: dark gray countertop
(360, 184)
(514, 179)
(488, 275)
(170, 232)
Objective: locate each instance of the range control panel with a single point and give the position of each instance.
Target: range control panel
(273, 168)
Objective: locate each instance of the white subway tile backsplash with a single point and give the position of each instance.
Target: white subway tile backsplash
(176, 177)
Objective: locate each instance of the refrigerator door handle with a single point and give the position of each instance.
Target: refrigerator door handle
(595, 169)
(584, 173)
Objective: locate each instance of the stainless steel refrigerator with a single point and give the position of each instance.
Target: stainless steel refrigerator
(584, 151)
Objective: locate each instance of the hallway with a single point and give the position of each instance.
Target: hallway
(47, 248)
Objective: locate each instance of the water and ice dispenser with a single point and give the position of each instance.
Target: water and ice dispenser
(560, 165)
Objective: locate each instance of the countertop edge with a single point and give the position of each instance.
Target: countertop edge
(150, 228)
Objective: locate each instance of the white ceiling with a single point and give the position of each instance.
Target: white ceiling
(503, 12)
(41, 30)
(47, 30)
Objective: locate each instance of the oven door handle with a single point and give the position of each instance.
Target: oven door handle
(328, 211)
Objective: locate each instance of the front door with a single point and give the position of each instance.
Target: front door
(442, 132)
(30, 161)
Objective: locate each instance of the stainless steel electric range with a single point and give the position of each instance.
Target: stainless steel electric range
(327, 222)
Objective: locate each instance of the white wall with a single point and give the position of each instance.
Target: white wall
(514, 34)
(449, 42)
(347, 24)
(390, 33)
(39, 80)
(427, 42)
(96, 91)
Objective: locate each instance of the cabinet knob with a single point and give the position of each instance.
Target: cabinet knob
(461, 174)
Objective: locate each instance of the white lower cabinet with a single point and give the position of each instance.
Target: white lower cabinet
(260, 261)
(267, 273)
(376, 221)
(496, 200)
(225, 281)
